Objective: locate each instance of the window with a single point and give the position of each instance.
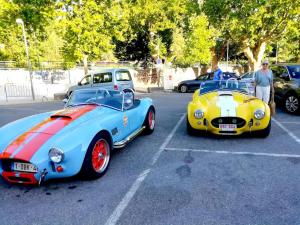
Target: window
(86, 80)
(248, 75)
(123, 76)
(294, 71)
(204, 76)
(278, 70)
(102, 78)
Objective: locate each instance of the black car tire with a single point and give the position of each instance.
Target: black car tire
(70, 94)
(190, 130)
(292, 103)
(183, 88)
(88, 170)
(149, 121)
(265, 132)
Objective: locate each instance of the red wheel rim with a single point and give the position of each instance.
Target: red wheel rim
(151, 119)
(100, 155)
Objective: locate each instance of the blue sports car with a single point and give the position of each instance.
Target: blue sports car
(76, 139)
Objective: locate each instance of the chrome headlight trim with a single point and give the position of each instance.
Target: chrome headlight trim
(259, 114)
(198, 114)
(56, 155)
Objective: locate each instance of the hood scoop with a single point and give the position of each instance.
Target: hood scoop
(68, 113)
(224, 93)
(73, 113)
(54, 116)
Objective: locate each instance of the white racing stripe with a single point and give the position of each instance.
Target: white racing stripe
(227, 104)
(117, 213)
(233, 153)
(286, 130)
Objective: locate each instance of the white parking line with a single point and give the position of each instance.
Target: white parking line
(117, 213)
(233, 153)
(286, 130)
(289, 122)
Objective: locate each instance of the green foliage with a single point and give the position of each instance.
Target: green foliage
(252, 23)
(195, 47)
(70, 30)
(36, 15)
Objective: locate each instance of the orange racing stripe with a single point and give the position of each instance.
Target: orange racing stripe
(32, 146)
(29, 148)
(22, 138)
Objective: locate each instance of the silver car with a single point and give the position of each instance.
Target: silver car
(249, 78)
(111, 79)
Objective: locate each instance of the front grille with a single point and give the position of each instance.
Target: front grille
(227, 132)
(228, 120)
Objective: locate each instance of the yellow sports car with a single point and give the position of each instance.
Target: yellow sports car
(227, 108)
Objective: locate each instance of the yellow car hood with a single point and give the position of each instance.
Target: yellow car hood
(227, 104)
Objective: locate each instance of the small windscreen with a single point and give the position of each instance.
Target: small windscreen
(227, 85)
(102, 97)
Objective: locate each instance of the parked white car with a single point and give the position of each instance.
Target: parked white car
(111, 79)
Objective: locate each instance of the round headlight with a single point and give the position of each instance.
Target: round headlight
(56, 155)
(259, 114)
(198, 114)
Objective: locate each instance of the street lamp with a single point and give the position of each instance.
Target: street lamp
(20, 22)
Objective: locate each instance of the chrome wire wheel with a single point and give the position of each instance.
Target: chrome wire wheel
(292, 104)
(100, 155)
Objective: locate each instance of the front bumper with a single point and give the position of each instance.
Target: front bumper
(20, 178)
(251, 125)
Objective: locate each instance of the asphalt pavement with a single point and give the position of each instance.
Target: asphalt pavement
(170, 177)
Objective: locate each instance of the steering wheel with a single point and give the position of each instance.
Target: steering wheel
(235, 82)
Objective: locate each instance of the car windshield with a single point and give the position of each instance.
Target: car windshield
(224, 85)
(103, 97)
(294, 71)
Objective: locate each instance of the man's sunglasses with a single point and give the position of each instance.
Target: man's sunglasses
(265, 64)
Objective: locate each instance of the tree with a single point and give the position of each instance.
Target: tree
(252, 23)
(194, 47)
(90, 27)
(36, 16)
(152, 24)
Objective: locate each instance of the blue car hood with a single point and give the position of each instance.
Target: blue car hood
(24, 144)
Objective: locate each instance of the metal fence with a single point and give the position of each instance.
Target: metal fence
(13, 90)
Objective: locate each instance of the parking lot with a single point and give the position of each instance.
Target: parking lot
(170, 177)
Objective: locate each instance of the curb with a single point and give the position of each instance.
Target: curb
(27, 102)
(151, 89)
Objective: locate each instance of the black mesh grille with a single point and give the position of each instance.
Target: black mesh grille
(228, 120)
(227, 132)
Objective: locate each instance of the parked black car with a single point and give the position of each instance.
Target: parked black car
(192, 85)
(287, 86)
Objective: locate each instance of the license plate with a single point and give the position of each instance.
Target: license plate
(24, 167)
(227, 127)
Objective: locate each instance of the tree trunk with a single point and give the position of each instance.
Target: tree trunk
(214, 59)
(255, 54)
(217, 55)
(85, 64)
